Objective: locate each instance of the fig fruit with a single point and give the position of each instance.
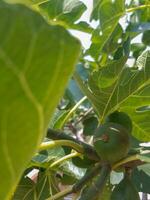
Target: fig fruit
(120, 118)
(111, 142)
(125, 190)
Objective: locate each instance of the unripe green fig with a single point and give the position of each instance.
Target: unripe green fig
(111, 142)
(125, 190)
(120, 118)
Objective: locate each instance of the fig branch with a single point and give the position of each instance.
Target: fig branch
(100, 181)
(131, 161)
(79, 184)
(138, 8)
(87, 149)
(53, 144)
(72, 111)
(65, 158)
(96, 189)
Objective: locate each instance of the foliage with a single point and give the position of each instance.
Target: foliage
(50, 110)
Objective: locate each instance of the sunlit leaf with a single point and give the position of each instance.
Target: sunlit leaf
(127, 90)
(33, 56)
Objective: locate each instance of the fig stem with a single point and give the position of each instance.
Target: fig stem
(61, 194)
(58, 143)
(129, 159)
(67, 157)
(96, 189)
(138, 8)
(86, 178)
(88, 149)
(72, 111)
(79, 184)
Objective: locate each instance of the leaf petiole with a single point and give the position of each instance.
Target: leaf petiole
(137, 8)
(58, 143)
(65, 158)
(73, 110)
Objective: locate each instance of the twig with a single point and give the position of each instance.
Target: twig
(73, 110)
(78, 186)
(86, 178)
(138, 8)
(129, 159)
(88, 149)
(84, 115)
(52, 144)
(67, 157)
(61, 194)
(96, 189)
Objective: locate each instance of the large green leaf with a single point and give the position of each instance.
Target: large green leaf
(126, 89)
(36, 61)
(44, 187)
(141, 180)
(64, 12)
(45, 159)
(27, 2)
(108, 12)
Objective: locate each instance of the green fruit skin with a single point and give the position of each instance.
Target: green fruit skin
(116, 147)
(125, 190)
(120, 118)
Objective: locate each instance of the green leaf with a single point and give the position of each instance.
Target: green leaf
(144, 157)
(141, 180)
(112, 43)
(70, 169)
(25, 189)
(94, 14)
(45, 158)
(127, 90)
(82, 26)
(141, 27)
(109, 13)
(145, 168)
(90, 124)
(43, 188)
(146, 38)
(33, 58)
(108, 75)
(64, 12)
(57, 118)
(137, 49)
(27, 2)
